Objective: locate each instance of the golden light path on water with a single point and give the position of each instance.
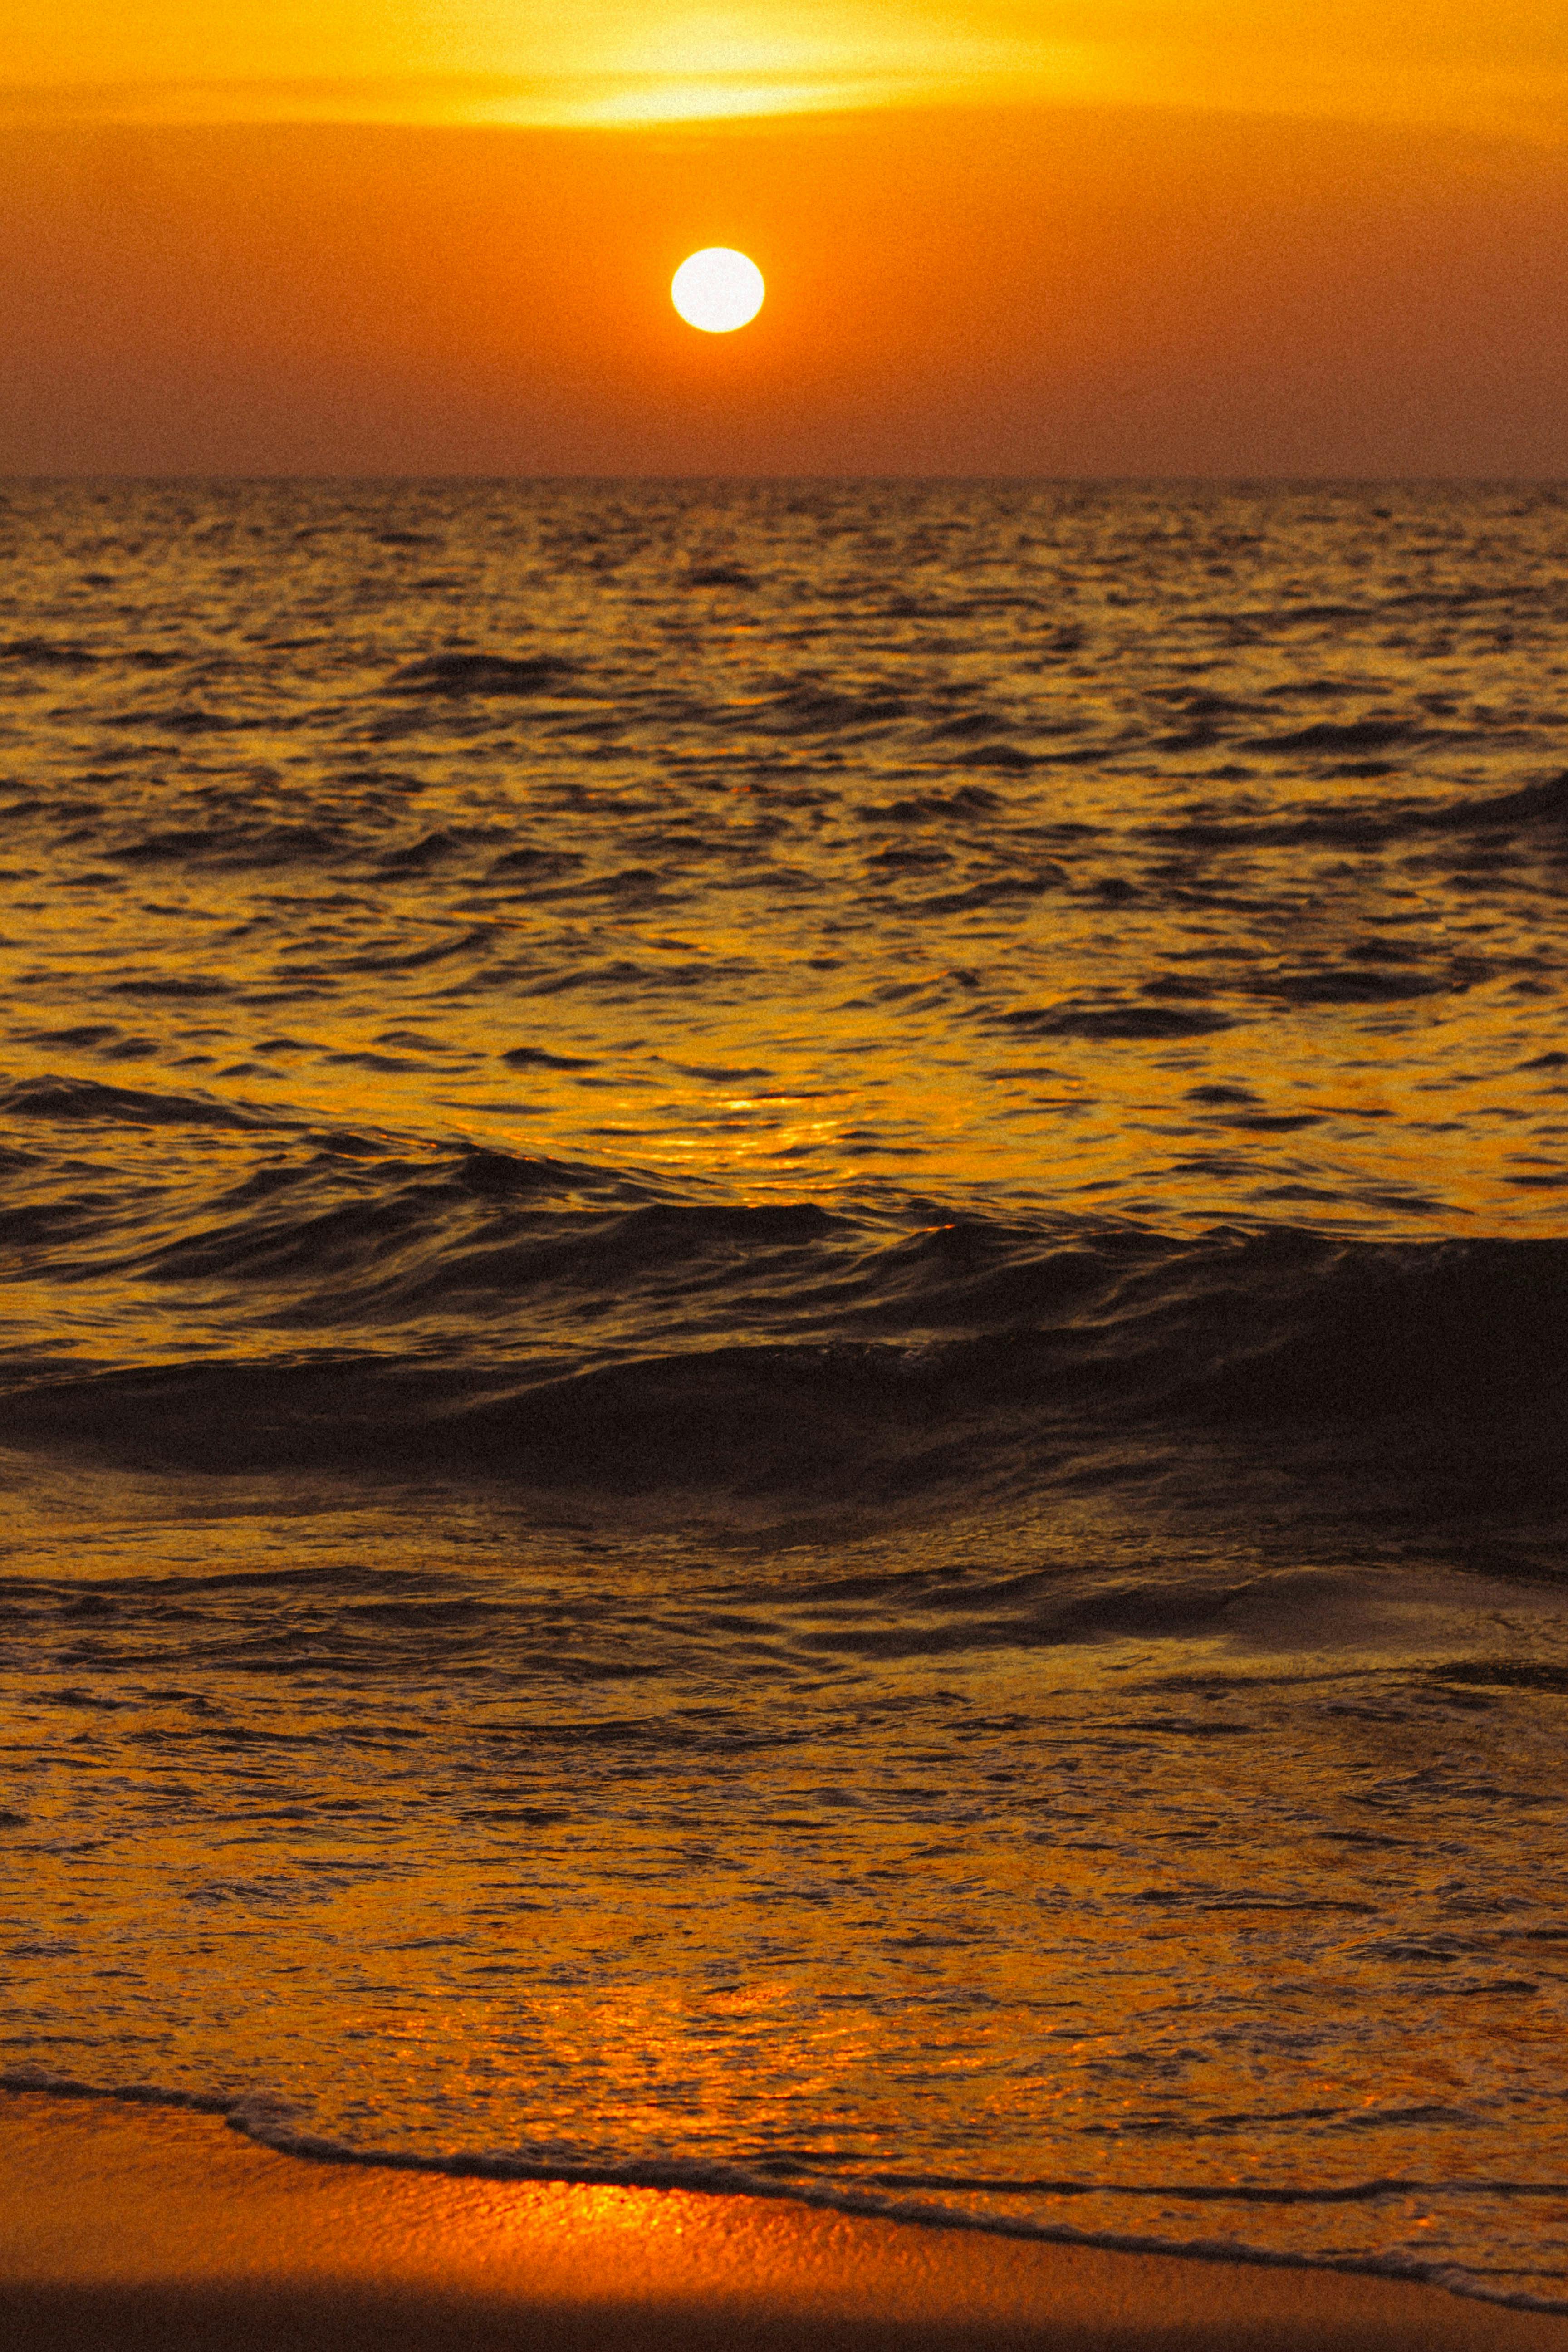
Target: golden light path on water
(1389, 1105)
(701, 1947)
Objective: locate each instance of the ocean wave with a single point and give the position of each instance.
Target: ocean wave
(568, 1324)
(1380, 823)
(1328, 736)
(913, 2198)
(88, 1100)
(1110, 1021)
(232, 844)
(46, 652)
(475, 672)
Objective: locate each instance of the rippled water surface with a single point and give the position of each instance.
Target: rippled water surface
(784, 1378)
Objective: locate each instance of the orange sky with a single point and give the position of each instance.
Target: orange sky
(1114, 237)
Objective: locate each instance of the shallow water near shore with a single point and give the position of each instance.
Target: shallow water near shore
(782, 1396)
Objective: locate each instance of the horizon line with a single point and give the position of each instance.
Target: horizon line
(741, 481)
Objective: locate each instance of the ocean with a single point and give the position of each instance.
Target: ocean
(784, 1388)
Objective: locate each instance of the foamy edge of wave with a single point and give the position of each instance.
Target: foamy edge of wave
(268, 2121)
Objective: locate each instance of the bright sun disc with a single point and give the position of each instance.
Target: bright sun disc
(718, 289)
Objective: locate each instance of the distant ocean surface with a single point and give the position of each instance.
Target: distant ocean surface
(784, 1382)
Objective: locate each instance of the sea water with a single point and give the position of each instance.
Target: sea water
(784, 1384)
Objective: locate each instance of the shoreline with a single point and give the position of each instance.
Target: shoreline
(160, 2230)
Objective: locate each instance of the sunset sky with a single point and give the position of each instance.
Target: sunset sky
(1108, 237)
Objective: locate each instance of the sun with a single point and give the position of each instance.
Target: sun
(718, 289)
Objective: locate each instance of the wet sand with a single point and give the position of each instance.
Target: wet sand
(146, 2230)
